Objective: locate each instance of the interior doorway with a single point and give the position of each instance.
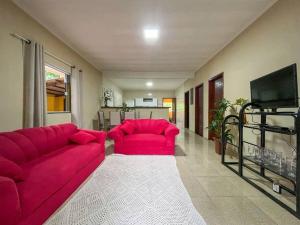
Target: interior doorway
(199, 109)
(186, 110)
(171, 103)
(216, 93)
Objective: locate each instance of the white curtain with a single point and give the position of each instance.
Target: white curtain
(76, 96)
(35, 104)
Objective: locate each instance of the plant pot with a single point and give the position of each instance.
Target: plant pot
(231, 152)
(218, 146)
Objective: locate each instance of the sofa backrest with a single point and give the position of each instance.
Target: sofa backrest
(150, 126)
(27, 144)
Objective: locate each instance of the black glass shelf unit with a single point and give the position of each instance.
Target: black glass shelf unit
(260, 165)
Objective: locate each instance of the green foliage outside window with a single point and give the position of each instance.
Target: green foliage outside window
(51, 76)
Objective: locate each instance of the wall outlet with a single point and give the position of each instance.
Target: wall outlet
(276, 188)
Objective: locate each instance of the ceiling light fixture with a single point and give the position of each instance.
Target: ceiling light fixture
(151, 34)
(149, 94)
(149, 84)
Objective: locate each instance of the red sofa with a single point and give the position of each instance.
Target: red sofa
(147, 137)
(53, 168)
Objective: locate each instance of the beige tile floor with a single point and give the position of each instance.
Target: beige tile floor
(220, 196)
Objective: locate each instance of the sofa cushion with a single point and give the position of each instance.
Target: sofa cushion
(50, 138)
(10, 143)
(128, 127)
(162, 126)
(10, 169)
(46, 175)
(150, 126)
(82, 138)
(144, 140)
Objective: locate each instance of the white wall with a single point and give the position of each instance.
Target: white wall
(14, 20)
(179, 92)
(130, 95)
(118, 92)
(58, 118)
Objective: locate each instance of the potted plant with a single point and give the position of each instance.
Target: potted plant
(239, 103)
(216, 124)
(124, 109)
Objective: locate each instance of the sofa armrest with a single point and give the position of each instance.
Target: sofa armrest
(10, 212)
(100, 135)
(116, 134)
(171, 131)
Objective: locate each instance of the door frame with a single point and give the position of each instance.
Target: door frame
(211, 103)
(174, 101)
(187, 109)
(197, 109)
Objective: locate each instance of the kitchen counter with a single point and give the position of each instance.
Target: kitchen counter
(136, 107)
(141, 112)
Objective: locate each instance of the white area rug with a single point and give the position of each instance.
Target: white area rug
(131, 190)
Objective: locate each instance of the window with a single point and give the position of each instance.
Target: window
(58, 90)
(147, 99)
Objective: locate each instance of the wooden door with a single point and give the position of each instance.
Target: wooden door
(186, 110)
(199, 110)
(216, 93)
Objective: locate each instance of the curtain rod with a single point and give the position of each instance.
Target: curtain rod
(27, 41)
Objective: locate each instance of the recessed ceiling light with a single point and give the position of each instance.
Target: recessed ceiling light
(149, 94)
(149, 84)
(151, 34)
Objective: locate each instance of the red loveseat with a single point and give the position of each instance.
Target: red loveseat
(52, 166)
(145, 137)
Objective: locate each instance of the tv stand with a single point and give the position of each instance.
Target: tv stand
(264, 167)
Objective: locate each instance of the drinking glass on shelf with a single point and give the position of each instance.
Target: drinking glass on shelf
(291, 167)
(294, 166)
(282, 163)
(272, 159)
(266, 156)
(258, 154)
(276, 159)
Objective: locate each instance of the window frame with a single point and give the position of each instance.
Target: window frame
(68, 89)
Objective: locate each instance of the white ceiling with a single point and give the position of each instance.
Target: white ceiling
(138, 80)
(109, 33)
(140, 84)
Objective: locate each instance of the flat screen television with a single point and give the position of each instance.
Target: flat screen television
(278, 89)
